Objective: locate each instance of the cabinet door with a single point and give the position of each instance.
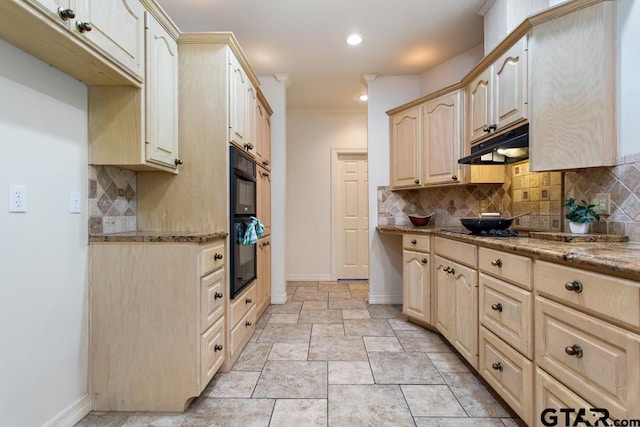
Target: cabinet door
(162, 95)
(405, 148)
(441, 139)
(250, 143)
(479, 106)
(466, 312)
(416, 285)
(445, 298)
(264, 271)
(263, 205)
(117, 28)
(50, 8)
(510, 86)
(263, 136)
(237, 102)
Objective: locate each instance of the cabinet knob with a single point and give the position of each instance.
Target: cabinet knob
(414, 241)
(497, 263)
(218, 347)
(574, 350)
(417, 181)
(248, 323)
(490, 128)
(177, 162)
(248, 146)
(575, 286)
(424, 260)
(66, 14)
(496, 307)
(217, 257)
(266, 244)
(454, 177)
(265, 162)
(84, 26)
(497, 366)
(248, 301)
(217, 295)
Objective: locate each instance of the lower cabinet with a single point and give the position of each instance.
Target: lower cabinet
(263, 283)
(416, 277)
(242, 322)
(157, 332)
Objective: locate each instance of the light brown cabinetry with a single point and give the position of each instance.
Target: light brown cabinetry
(573, 90)
(156, 332)
(138, 128)
(416, 277)
(242, 322)
(110, 53)
(263, 282)
(242, 103)
(497, 97)
(263, 205)
(263, 133)
(457, 295)
(406, 147)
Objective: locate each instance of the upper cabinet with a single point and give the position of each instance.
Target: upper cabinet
(138, 128)
(238, 100)
(98, 42)
(116, 27)
(406, 142)
(573, 90)
(497, 97)
(263, 132)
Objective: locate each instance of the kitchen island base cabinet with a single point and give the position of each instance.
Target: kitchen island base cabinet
(150, 347)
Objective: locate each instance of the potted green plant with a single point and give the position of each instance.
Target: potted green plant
(580, 215)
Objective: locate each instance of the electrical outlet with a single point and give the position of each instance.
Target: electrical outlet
(17, 198)
(75, 204)
(602, 202)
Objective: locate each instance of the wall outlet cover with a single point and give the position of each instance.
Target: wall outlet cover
(602, 202)
(17, 198)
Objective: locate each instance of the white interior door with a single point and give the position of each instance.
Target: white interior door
(351, 228)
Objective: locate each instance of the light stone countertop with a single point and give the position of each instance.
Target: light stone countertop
(158, 237)
(616, 258)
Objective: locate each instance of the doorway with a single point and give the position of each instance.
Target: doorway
(350, 207)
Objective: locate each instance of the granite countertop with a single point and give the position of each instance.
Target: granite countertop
(158, 237)
(596, 252)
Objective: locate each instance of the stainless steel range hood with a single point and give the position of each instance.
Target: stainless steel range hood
(509, 147)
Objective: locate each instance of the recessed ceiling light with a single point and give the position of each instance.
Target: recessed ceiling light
(363, 97)
(354, 39)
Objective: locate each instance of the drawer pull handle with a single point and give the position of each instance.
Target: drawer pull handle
(217, 295)
(574, 350)
(497, 367)
(496, 307)
(248, 323)
(497, 263)
(218, 347)
(248, 301)
(414, 241)
(424, 260)
(575, 286)
(216, 257)
(417, 181)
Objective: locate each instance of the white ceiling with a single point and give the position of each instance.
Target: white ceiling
(305, 38)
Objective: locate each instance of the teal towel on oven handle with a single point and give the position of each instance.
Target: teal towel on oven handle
(254, 230)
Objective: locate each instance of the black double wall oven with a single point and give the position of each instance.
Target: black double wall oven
(242, 183)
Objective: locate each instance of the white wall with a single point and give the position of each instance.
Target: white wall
(276, 94)
(628, 72)
(385, 252)
(43, 291)
(450, 72)
(310, 138)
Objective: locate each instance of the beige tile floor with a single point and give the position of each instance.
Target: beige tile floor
(327, 358)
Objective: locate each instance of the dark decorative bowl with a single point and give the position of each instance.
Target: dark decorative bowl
(420, 220)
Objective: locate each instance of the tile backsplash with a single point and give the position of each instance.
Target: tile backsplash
(112, 200)
(541, 193)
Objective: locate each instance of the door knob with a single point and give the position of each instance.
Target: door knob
(497, 263)
(66, 14)
(496, 307)
(575, 286)
(84, 26)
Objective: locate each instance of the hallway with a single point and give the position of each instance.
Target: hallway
(328, 358)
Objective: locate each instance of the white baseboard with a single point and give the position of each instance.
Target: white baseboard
(308, 277)
(385, 299)
(278, 299)
(73, 413)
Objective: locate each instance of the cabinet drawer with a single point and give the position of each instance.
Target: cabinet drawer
(508, 372)
(212, 297)
(551, 396)
(241, 305)
(508, 312)
(510, 267)
(241, 331)
(211, 352)
(457, 251)
(597, 360)
(614, 298)
(416, 242)
(211, 257)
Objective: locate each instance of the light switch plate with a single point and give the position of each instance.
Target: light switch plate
(602, 202)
